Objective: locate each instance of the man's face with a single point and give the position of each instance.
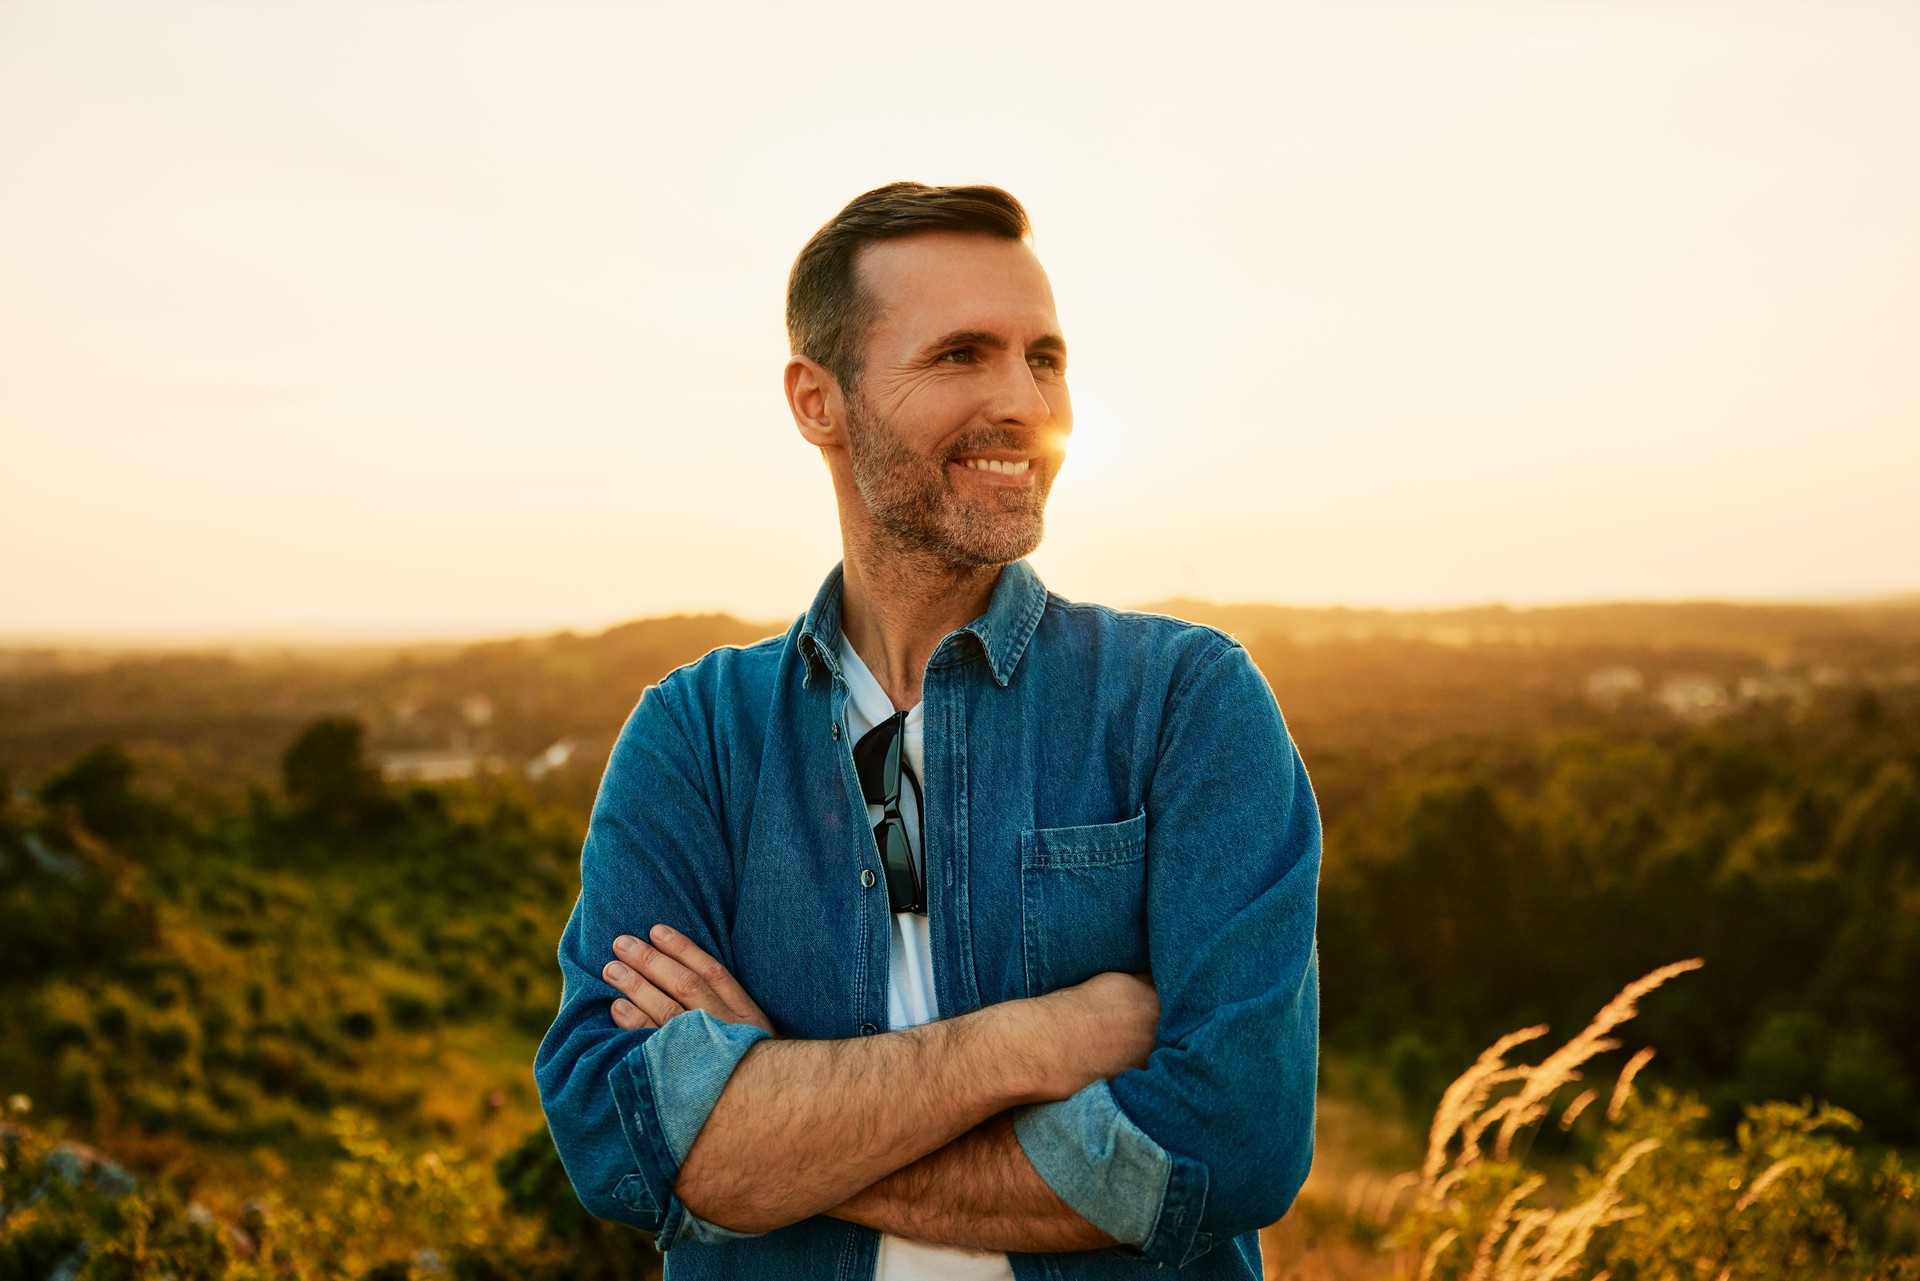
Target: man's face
(958, 423)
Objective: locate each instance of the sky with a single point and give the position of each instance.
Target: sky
(457, 319)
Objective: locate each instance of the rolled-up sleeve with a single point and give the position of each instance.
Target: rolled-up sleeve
(624, 1106)
(1214, 1137)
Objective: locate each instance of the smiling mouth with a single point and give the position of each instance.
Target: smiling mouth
(1004, 467)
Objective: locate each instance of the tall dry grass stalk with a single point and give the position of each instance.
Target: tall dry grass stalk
(1578, 1106)
(1464, 1109)
(1461, 1105)
(1524, 1243)
(1623, 1088)
(1434, 1251)
(1761, 1184)
(1530, 1104)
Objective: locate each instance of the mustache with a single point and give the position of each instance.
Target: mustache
(1048, 442)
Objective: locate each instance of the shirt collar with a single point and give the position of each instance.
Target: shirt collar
(1013, 612)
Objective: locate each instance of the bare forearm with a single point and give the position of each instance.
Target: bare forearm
(803, 1125)
(979, 1192)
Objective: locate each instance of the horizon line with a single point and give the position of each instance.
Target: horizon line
(406, 636)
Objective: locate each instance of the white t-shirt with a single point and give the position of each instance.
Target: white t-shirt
(910, 994)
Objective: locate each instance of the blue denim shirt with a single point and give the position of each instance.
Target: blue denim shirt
(1105, 790)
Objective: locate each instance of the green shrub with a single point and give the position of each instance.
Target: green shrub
(171, 1036)
(153, 1104)
(1782, 1057)
(86, 1218)
(113, 1013)
(97, 791)
(413, 1002)
(1413, 1066)
(361, 1021)
(78, 1091)
(285, 1071)
(66, 1017)
(1861, 1074)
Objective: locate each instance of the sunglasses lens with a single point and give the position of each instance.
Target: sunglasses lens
(876, 759)
(896, 744)
(903, 885)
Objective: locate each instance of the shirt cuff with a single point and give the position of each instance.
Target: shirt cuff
(664, 1091)
(1115, 1176)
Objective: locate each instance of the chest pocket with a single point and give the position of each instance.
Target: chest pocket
(1083, 902)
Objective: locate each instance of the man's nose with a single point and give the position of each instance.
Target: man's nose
(1018, 398)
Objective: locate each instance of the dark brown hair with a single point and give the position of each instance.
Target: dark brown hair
(827, 311)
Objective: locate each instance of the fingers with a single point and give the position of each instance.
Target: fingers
(668, 975)
(714, 976)
(672, 975)
(644, 1005)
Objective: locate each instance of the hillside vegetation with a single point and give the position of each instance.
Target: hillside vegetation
(270, 998)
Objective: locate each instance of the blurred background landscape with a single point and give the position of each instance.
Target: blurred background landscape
(252, 900)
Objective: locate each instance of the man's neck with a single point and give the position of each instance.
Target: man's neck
(897, 603)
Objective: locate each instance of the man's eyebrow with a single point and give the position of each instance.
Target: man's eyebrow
(994, 342)
(967, 338)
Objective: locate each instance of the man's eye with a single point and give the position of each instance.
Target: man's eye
(1044, 362)
(959, 355)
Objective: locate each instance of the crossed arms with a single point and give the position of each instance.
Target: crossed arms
(817, 1127)
(1022, 1145)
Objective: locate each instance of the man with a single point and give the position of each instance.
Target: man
(962, 931)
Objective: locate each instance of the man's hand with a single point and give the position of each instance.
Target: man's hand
(671, 976)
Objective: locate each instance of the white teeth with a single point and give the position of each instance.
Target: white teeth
(1004, 468)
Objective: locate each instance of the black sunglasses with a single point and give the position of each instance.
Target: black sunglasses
(880, 760)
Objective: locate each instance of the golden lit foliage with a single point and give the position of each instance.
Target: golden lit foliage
(1661, 1200)
(203, 980)
(381, 1213)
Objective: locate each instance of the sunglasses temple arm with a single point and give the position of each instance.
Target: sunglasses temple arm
(920, 811)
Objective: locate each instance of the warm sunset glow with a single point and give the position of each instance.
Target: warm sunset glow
(443, 319)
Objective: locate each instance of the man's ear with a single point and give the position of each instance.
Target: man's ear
(813, 394)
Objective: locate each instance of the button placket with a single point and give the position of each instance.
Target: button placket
(864, 843)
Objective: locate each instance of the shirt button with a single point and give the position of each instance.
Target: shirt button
(868, 1029)
(866, 877)
(836, 731)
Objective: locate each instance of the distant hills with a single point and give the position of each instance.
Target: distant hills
(1718, 624)
(1629, 621)
(547, 707)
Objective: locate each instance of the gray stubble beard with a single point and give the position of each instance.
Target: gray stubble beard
(919, 511)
